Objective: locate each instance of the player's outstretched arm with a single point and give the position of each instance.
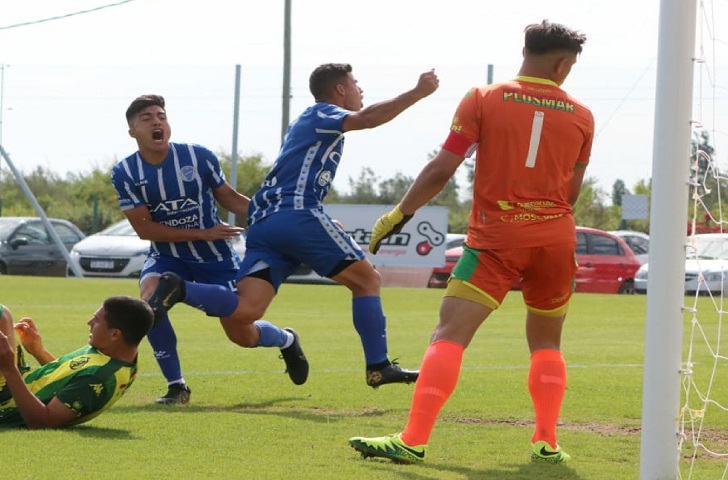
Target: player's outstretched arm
(431, 180)
(382, 112)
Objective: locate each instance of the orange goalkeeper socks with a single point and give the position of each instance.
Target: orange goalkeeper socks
(547, 384)
(438, 376)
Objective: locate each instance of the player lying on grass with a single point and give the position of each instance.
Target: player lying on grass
(78, 386)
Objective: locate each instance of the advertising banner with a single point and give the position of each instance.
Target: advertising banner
(421, 243)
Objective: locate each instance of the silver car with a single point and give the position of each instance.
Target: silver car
(117, 251)
(706, 265)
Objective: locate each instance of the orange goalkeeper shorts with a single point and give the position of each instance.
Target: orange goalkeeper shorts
(545, 275)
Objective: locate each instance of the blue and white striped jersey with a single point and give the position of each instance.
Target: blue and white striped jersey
(301, 176)
(178, 193)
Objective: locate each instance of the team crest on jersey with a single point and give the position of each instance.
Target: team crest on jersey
(188, 173)
(325, 178)
(79, 362)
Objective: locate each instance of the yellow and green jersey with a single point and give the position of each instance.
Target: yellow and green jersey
(86, 381)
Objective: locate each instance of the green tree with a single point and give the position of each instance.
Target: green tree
(393, 189)
(590, 209)
(619, 190)
(251, 171)
(363, 188)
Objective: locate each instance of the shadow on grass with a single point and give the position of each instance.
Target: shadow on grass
(275, 407)
(102, 433)
(526, 471)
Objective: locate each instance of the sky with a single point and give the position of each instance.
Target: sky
(67, 82)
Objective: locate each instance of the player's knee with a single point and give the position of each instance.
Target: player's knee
(246, 313)
(242, 339)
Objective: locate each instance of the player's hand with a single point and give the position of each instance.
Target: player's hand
(29, 335)
(221, 232)
(387, 225)
(428, 83)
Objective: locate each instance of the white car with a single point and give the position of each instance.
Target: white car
(117, 251)
(639, 242)
(706, 265)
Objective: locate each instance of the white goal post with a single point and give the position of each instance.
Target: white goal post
(659, 453)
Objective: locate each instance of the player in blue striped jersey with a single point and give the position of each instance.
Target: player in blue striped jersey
(287, 224)
(168, 192)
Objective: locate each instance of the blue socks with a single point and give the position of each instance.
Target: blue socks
(214, 300)
(163, 340)
(371, 325)
(219, 301)
(272, 336)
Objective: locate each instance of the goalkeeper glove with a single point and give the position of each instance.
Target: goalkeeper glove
(387, 225)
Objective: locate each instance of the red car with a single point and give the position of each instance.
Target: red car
(606, 263)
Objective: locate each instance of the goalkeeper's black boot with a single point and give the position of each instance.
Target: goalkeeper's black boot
(378, 375)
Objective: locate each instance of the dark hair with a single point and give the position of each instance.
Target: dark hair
(323, 80)
(140, 103)
(546, 37)
(134, 317)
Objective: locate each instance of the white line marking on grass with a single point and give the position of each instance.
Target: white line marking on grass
(346, 370)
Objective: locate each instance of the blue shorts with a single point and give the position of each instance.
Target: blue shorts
(285, 240)
(226, 273)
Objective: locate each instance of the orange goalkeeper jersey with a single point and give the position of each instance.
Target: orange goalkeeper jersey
(530, 136)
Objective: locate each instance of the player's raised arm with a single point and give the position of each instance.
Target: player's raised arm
(382, 112)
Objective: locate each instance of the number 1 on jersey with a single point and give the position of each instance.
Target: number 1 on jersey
(536, 129)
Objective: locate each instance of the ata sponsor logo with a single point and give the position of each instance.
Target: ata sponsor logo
(175, 205)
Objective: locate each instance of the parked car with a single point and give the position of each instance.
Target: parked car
(27, 248)
(606, 263)
(706, 265)
(453, 252)
(117, 251)
(639, 242)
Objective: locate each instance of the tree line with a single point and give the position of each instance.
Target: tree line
(89, 200)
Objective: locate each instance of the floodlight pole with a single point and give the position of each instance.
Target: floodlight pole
(234, 154)
(2, 96)
(659, 453)
(2, 108)
(286, 96)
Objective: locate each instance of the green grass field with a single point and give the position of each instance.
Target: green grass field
(247, 420)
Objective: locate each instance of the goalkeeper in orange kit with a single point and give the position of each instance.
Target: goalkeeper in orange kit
(533, 142)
